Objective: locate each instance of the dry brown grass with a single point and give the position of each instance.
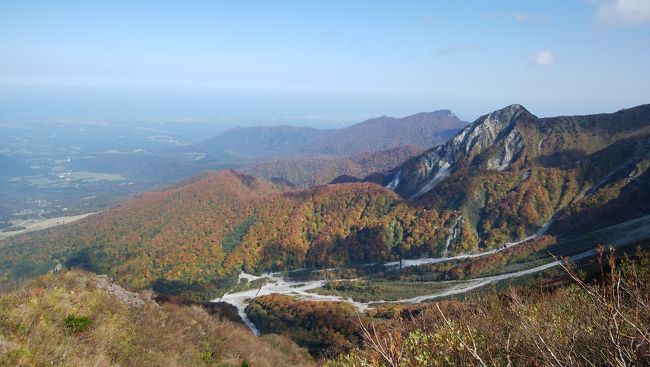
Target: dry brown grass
(32, 331)
(600, 323)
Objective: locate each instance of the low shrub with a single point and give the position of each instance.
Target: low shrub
(76, 324)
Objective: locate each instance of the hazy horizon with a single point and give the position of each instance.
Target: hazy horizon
(318, 63)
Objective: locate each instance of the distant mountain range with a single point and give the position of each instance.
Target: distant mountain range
(498, 180)
(422, 130)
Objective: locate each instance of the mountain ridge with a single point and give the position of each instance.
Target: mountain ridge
(513, 145)
(421, 130)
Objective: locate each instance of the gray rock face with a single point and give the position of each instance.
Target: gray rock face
(482, 133)
(509, 148)
(130, 298)
(493, 130)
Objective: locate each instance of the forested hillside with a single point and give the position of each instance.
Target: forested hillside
(207, 229)
(312, 171)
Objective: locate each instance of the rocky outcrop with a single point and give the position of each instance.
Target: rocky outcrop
(130, 298)
(508, 150)
(495, 131)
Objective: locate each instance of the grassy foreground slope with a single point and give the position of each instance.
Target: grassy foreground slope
(599, 323)
(72, 319)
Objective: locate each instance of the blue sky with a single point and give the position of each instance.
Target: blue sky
(319, 60)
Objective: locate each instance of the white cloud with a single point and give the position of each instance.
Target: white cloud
(542, 58)
(624, 12)
(523, 17)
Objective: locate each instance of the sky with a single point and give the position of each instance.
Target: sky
(302, 61)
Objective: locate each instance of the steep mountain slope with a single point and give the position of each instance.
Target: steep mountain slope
(421, 130)
(312, 171)
(510, 172)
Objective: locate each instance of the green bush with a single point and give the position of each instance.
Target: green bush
(207, 356)
(76, 324)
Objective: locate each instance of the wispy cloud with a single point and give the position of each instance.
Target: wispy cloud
(624, 12)
(458, 48)
(426, 19)
(336, 37)
(542, 58)
(521, 17)
(329, 34)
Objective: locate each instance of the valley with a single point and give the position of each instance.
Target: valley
(49, 169)
(19, 227)
(619, 236)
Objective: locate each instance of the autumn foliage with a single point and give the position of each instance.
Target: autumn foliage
(208, 229)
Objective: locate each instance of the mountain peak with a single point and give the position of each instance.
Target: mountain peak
(444, 112)
(509, 112)
(494, 129)
(515, 106)
(432, 115)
